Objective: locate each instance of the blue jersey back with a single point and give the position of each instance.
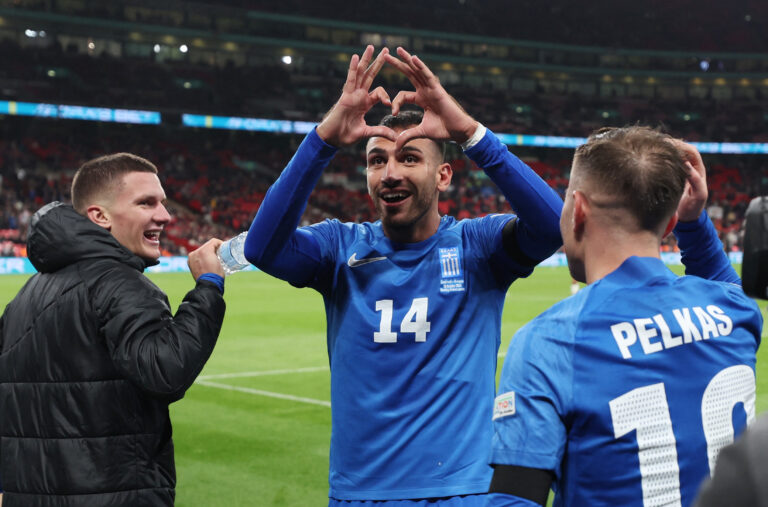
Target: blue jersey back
(629, 389)
(413, 333)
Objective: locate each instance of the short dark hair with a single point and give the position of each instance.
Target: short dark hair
(411, 118)
(101, 176)
(640, 167)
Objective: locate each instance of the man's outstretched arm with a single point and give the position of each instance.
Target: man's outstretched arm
(160, 353)
(274, 244)
(536, 235)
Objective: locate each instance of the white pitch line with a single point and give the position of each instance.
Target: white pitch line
(262, 373)
(259, 392)
(309, 369)
(203, 380)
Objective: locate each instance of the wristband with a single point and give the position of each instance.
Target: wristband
(476, 137)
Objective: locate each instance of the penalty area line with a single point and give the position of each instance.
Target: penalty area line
(259, 392)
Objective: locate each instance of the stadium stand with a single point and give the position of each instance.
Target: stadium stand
(564, 73)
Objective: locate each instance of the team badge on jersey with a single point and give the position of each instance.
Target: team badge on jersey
(504, 405)
(451, 274)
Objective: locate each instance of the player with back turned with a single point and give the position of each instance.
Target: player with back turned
(414, 300)
(625, 393)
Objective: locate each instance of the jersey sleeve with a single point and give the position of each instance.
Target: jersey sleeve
(535, 395)
(326, 237)
(160, 353)
(538, 207)
(702, 251)
(485, 234)
(274, 244)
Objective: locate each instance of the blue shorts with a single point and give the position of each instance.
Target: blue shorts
(449, 501)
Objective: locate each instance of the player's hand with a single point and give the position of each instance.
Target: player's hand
(204, 259)
(444, 118)
(695, 193)
(345, 123)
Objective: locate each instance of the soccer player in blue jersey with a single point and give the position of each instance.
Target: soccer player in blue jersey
(413, 300)
(624, 394)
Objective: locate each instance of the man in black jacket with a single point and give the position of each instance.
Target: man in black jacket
(90, 354)
(740, 474)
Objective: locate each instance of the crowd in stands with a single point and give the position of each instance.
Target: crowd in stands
(215, 181)
(303, 91)
(709, 25)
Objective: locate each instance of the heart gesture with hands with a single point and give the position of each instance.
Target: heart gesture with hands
(444, 119)
(345, 123)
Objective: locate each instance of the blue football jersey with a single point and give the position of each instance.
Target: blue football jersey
(629, 389)
(413, 334)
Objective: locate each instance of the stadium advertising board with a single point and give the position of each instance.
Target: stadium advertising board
(178, 264)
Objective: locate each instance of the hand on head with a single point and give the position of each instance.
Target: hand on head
(695, 193)
(204, 259)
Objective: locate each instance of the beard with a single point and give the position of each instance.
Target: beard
(410, 216)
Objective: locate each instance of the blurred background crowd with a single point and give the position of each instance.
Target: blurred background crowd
(520, 67)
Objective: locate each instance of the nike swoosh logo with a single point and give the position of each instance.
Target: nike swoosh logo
(353, 261)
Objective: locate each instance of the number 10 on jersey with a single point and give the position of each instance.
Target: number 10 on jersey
(415, 321)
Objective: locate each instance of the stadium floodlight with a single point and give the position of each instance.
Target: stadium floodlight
(183, 48)
(156, 48)
(287, 59)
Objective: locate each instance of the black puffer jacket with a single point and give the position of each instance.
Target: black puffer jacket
(90, 358)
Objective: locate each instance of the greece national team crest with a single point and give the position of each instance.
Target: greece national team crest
(451, 274)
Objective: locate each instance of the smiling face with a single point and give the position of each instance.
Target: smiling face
(405, 186)
(136, 214)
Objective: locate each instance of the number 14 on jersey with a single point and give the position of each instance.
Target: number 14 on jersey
(415, 321)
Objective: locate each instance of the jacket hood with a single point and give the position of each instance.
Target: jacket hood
(60, 236)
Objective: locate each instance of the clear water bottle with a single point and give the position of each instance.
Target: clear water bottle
(231, 254)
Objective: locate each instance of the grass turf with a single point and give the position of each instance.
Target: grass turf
(261, 438)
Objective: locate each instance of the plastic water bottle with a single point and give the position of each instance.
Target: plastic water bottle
(231, 254)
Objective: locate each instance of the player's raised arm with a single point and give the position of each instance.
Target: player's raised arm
(274, 244)
(535, 233)
(700, 246)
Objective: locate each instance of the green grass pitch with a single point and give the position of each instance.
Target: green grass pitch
(255, 428)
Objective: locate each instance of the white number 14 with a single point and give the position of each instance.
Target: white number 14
(415, 321)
